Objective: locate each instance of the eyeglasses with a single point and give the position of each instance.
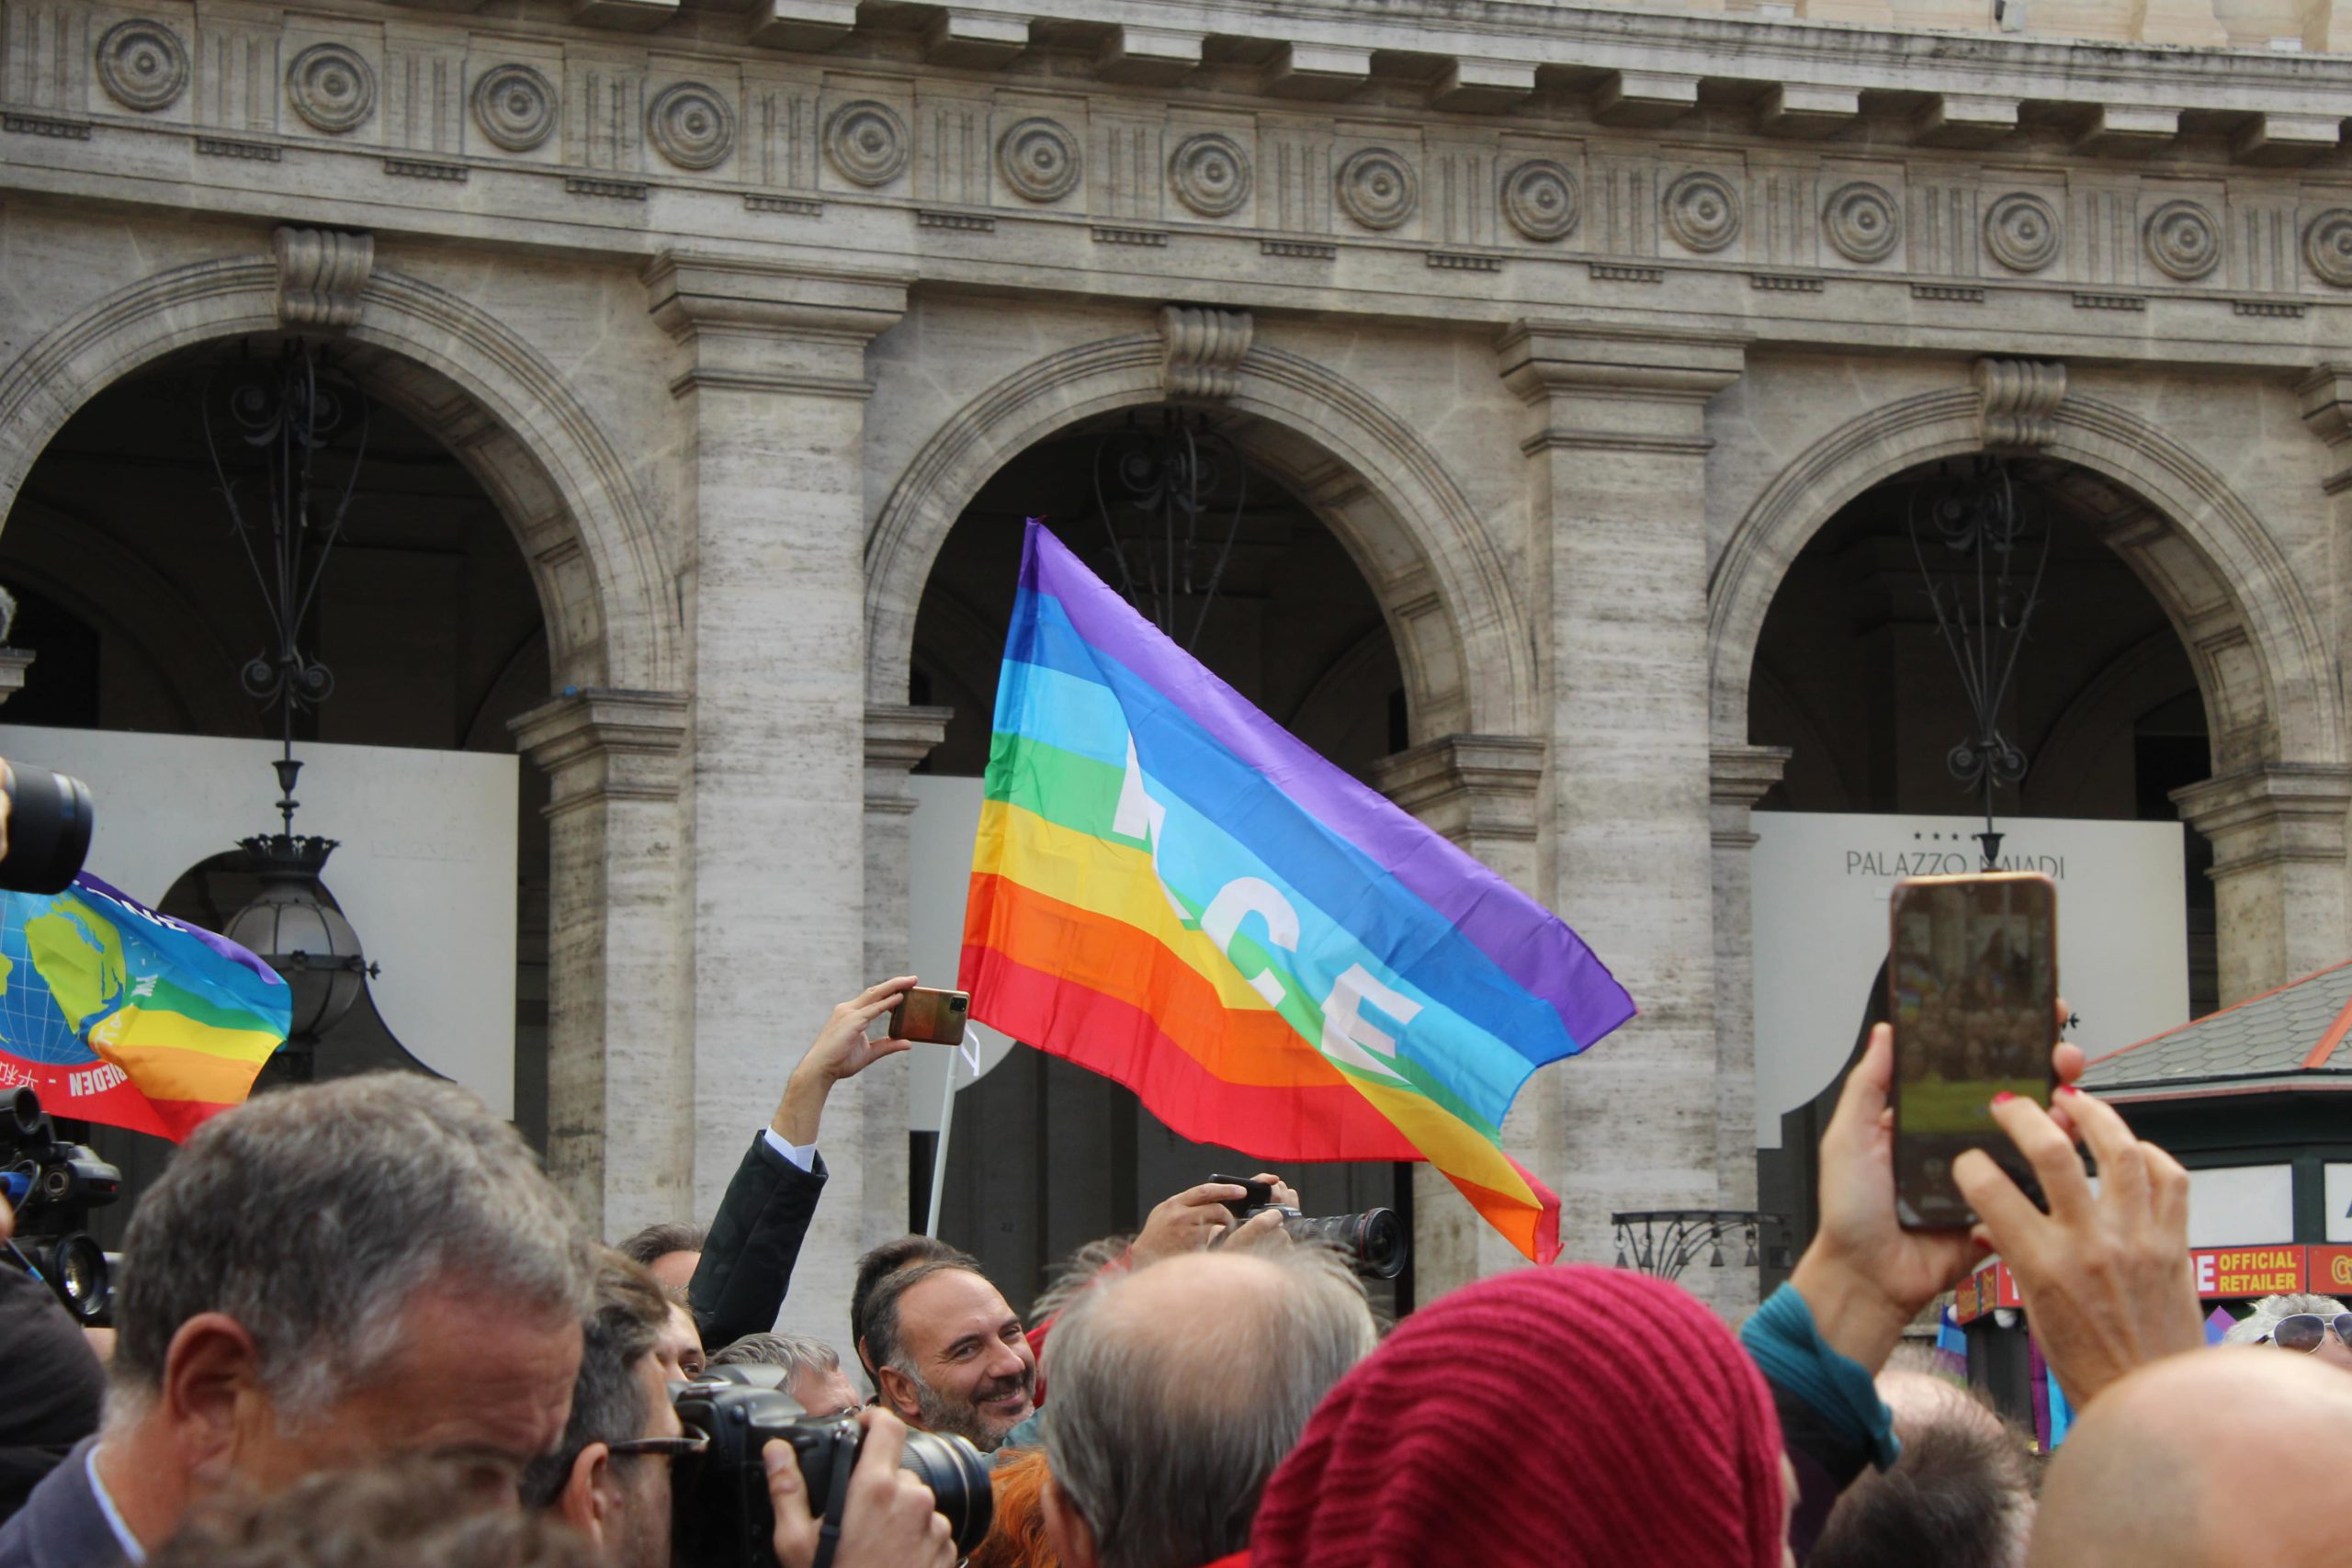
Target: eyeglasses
(2304, 1331)
(694, 1442)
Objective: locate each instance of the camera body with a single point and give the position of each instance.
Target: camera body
(1374, 1243)
(720, 1516)
(53, 1185)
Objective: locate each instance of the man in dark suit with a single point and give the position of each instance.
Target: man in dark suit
(324, 1276)
(736, 1275)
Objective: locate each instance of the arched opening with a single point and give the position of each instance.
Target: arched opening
(1053, 1155)
(140, 608)
(2109, 705)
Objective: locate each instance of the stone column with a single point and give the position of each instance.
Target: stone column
(771, 382)
(620, 1140)
(897, 740)
(1481, 792)
(1739, 777)
(1616, 473)
(2278, 869)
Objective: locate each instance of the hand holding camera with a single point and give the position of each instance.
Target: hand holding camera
(890, 1521)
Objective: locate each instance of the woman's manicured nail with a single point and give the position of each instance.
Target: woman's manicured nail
(2003, 1097)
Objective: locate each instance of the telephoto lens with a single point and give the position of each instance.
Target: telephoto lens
(720, 1516)
(49, 818)
(1373, 1242)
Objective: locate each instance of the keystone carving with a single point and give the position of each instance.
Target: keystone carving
(2021, 400)
(320, 275)
(1204, 350)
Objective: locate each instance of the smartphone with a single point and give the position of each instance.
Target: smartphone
(930, 1018)
(1972, 982)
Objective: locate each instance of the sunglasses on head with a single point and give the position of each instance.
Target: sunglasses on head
(2304, 1330)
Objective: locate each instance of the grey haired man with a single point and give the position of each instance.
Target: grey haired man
(324, 1276)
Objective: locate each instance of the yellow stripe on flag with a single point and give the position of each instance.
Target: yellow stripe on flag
(137, 1027)
(1114, 881)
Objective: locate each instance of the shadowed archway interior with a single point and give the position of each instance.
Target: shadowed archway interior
(143, 608)
(1853, 677)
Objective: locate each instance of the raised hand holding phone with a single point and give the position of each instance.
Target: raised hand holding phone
(1973, 985)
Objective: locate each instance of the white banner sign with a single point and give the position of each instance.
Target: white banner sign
(1821, 886)
(424, 872)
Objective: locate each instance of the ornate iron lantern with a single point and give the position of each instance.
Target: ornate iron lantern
(1984, 534)
(287, 414)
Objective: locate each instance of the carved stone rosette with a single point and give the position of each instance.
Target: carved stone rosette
(2327, 246)
(1210, 174)
(142, 64)
(1861, 222)
(330, 87)
(1040, 160)
(1540, 199)
(1702, 211)
(2020, 398)
(868, 143)
(2022, 231)
(691, 125)
(2183, 240)
(1204, 350)
(515, 106)
(1377, 188)
(320, 275)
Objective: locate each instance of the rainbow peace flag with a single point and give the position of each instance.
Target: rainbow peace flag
(114, 1013)
(1169, 889)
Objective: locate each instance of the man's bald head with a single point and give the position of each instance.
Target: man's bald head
(1177, 1391)
(2209, 1459)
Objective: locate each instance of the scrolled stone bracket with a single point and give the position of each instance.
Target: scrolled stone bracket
(320, 276)
(2326, 395)
(2019, 400)
(1205, 348)
(603, 744)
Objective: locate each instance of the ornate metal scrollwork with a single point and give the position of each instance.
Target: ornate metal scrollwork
(1995, 552)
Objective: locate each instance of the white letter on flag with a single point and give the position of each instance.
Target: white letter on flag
(1250, 894)
(1347, 1037)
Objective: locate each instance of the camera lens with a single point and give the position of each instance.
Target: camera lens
(958, 1479)
(1380, 1244)
(25, 1120)
(50, 818)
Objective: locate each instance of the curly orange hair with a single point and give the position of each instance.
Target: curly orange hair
(1017, 1538)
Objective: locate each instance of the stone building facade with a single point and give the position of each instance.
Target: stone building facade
(1572, 324)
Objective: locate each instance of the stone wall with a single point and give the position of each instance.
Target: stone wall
(1572, 323)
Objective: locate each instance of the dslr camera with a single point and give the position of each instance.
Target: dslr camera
(53, 1185)
(720, 1516)
(1373, 1241)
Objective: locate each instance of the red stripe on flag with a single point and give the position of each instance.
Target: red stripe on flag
(1112, 1037)
(1107, 1035)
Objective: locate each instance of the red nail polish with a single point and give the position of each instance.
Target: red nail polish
(2068, 1088)
(2003, 1097)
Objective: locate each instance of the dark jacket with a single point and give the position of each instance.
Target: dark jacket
(755, 1240)
(60, 1525)
(50, 1386)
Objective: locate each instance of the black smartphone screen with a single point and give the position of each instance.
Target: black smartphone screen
(1974, 974)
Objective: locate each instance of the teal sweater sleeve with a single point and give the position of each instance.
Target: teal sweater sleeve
(1786, 1345)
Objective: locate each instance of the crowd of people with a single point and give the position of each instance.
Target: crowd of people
(357, 1325)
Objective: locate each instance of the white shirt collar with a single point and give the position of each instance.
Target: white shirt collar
(131, 1549)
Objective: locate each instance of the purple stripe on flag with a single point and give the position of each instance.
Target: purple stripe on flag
(1526, 941)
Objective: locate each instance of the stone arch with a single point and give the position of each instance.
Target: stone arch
(1441, 581)
(2249, 628)
(467, 378)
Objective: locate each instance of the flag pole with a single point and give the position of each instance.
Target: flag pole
(939, 1149)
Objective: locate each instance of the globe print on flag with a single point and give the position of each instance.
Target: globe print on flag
(33, 977)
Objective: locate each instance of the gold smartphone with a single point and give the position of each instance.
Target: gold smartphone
(1972, 981)
(929, 1017)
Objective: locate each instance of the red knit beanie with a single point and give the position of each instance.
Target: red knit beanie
(1559, 1416)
